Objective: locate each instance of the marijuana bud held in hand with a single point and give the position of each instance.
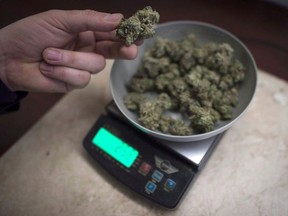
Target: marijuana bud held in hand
(139, 26)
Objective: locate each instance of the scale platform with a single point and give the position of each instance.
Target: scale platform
(159, 170)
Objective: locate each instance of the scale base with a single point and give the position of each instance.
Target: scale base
(158, 170)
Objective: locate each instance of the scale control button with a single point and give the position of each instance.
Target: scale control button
(150, 187)
(145, 168)
(165, 165)
(157, 176)
(170, 184)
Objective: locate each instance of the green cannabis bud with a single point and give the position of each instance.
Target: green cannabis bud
(197, 82)
(133, 99)
(139, 26)
(150, 114)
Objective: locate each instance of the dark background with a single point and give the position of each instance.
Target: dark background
(261, 25)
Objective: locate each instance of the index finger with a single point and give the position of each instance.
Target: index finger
(75, 21)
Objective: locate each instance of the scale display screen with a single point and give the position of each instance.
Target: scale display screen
(115, 147)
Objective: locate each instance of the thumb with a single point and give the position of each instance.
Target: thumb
(75, 21)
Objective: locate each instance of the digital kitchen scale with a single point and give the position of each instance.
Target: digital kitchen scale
(159, 170)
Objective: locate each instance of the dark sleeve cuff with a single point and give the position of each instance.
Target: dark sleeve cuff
(10, 101)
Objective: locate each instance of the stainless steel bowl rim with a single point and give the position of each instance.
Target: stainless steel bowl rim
(193, 137)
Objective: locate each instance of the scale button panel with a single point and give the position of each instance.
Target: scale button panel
(165, 165)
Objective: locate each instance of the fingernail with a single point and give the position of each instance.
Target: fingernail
(113, 17)
(46, 68)
(53, 55)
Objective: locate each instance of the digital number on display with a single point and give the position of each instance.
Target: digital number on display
(115, 147)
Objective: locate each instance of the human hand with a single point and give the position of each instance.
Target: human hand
(57, 51)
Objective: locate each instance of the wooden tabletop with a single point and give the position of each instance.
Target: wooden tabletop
(48, 172)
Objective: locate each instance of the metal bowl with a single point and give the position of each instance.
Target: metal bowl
(123, 70)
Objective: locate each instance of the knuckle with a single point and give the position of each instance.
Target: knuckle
(89, 12)
(61, 73)
(71, 59)
(76, 78)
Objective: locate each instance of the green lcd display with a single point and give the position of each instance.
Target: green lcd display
(115, 147)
